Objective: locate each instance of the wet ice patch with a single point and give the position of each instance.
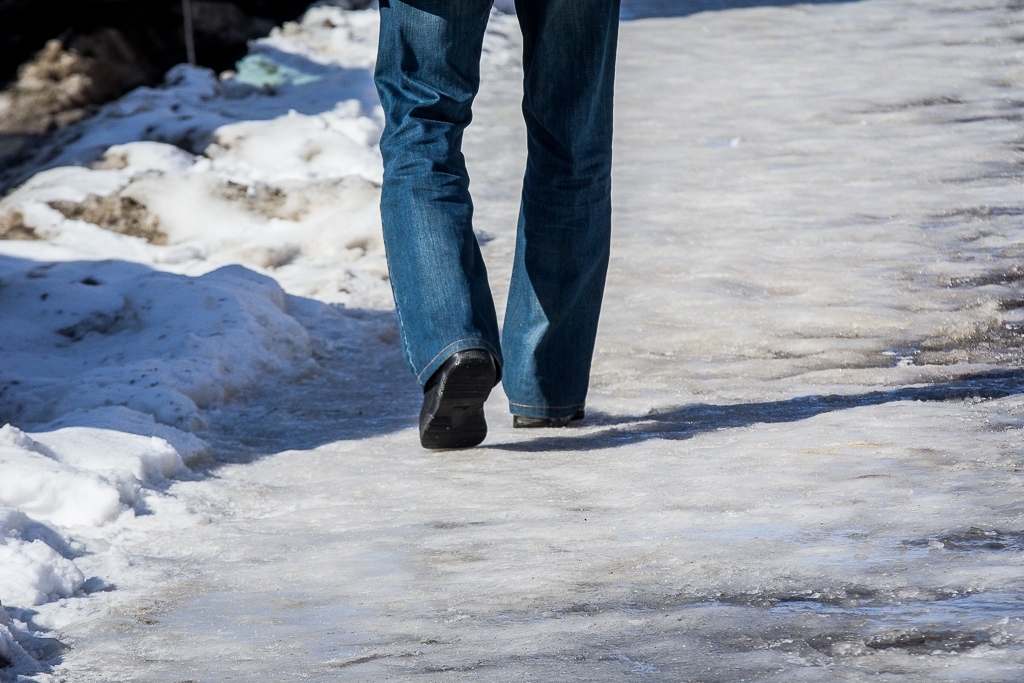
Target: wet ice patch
(974, 539)
(502, 42)
(806, 237)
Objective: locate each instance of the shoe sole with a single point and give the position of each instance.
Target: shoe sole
(456, 418)
(519, 422)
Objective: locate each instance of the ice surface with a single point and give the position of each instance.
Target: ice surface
(802, 457)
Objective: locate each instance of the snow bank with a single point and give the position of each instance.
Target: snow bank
(168, 209)
(105, 369)
(12, 655)
(59, 484)
(35, 564)
(275, 167)
(37, 483)
(158, 343)
(110, 364)
(126, 312)
(326, 35)
(35, 574)
(36, 567)
(193, 104)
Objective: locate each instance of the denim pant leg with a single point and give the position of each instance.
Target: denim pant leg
(428, 73)
(562, 244)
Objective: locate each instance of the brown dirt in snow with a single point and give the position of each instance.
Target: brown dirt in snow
(12, 227)
(119, 214)
(65, 83)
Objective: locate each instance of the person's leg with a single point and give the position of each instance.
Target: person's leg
(428, 72)
(565, 218)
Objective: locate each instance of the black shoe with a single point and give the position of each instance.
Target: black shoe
(453, 401)
(519, 421)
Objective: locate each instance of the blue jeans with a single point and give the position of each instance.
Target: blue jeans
(428, 73)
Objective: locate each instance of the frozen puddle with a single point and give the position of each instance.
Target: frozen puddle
(802, 459)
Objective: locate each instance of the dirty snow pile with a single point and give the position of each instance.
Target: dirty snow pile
(275, 167)
(140, 265)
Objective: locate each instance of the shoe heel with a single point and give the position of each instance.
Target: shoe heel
(455, 417)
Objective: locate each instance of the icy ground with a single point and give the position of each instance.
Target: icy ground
(804, 439)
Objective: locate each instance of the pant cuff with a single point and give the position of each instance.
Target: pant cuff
(447, 352)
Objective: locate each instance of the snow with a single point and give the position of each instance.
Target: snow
(158, 343)
(36, 569)
(802, 457)
(325, 35)
(37, 483)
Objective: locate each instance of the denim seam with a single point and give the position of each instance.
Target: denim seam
(490, 349)
(401, 324)
(527, 405)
